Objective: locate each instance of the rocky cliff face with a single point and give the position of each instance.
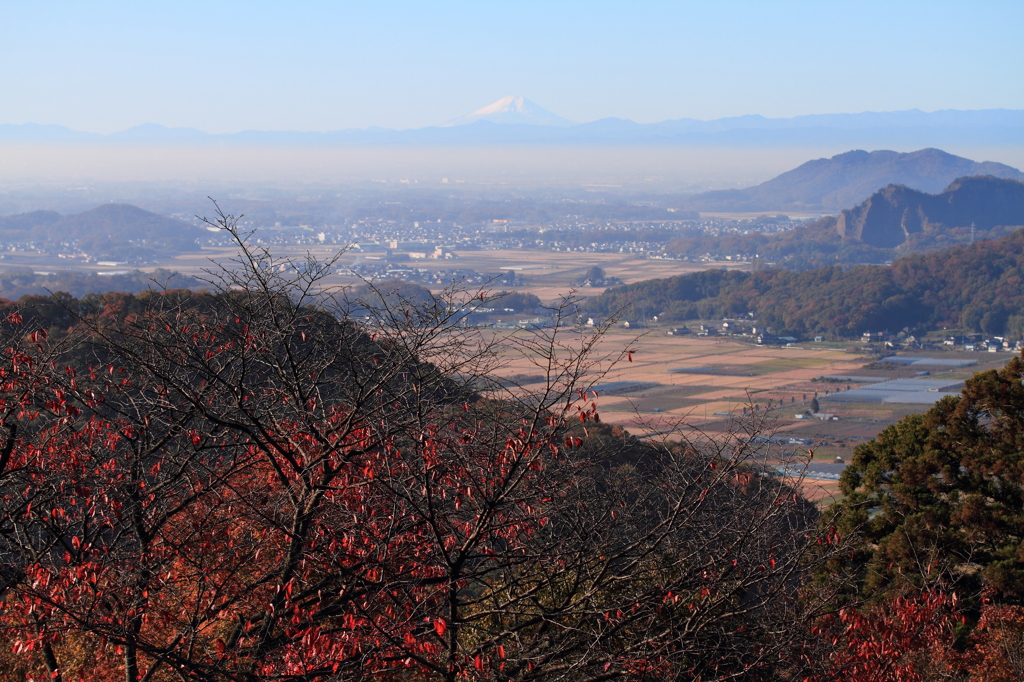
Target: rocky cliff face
(886, 219)
(891, 216)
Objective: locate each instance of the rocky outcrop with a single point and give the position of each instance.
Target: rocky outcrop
(891, 216)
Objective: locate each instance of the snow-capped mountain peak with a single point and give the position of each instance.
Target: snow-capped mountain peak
(512, 109)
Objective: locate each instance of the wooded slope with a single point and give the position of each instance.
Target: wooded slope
(975, 286)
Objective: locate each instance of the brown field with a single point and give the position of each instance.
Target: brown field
(823, 493)
(741, 375)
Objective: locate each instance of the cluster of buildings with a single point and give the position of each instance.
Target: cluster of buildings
(407, 272)
(421, 239)
(980, 343)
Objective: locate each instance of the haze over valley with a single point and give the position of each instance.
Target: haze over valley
(512, 142)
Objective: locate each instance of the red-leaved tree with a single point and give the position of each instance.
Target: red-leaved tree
(271, 482)
(905, 639)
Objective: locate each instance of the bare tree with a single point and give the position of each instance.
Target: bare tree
(277, 481)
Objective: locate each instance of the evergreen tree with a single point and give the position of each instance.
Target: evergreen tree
(936, 501)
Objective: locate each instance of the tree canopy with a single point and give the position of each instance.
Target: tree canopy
(938, 499)
(273, 482)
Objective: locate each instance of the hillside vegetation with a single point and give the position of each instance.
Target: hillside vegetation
(253, 484)
(976, 286)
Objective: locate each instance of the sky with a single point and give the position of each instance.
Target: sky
(228, 66)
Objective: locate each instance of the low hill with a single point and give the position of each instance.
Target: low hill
(846, 179)
(976, 286)
(111, 231)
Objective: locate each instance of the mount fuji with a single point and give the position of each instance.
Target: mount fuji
(514, 110)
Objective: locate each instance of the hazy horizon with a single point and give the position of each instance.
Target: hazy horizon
(232, 66)
(441, 124)
(633, 168)
(404, 65)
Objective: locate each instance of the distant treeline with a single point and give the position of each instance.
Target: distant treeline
(977, 287)
(813, 245)
(60, 311)
(16, 283)
(587, 237)
(818, 244)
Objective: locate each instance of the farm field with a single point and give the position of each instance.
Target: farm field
(714, 377)
(701, 380)
(719, 379)
(548, 275)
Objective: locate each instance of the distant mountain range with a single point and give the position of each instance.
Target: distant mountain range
(111, 231)
(846, 179)
(517, 120)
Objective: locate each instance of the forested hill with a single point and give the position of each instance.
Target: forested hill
(112, 231)
(849, 178)
(893, 221)
(977, 286)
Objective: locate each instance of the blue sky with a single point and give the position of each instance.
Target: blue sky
(229, 66)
